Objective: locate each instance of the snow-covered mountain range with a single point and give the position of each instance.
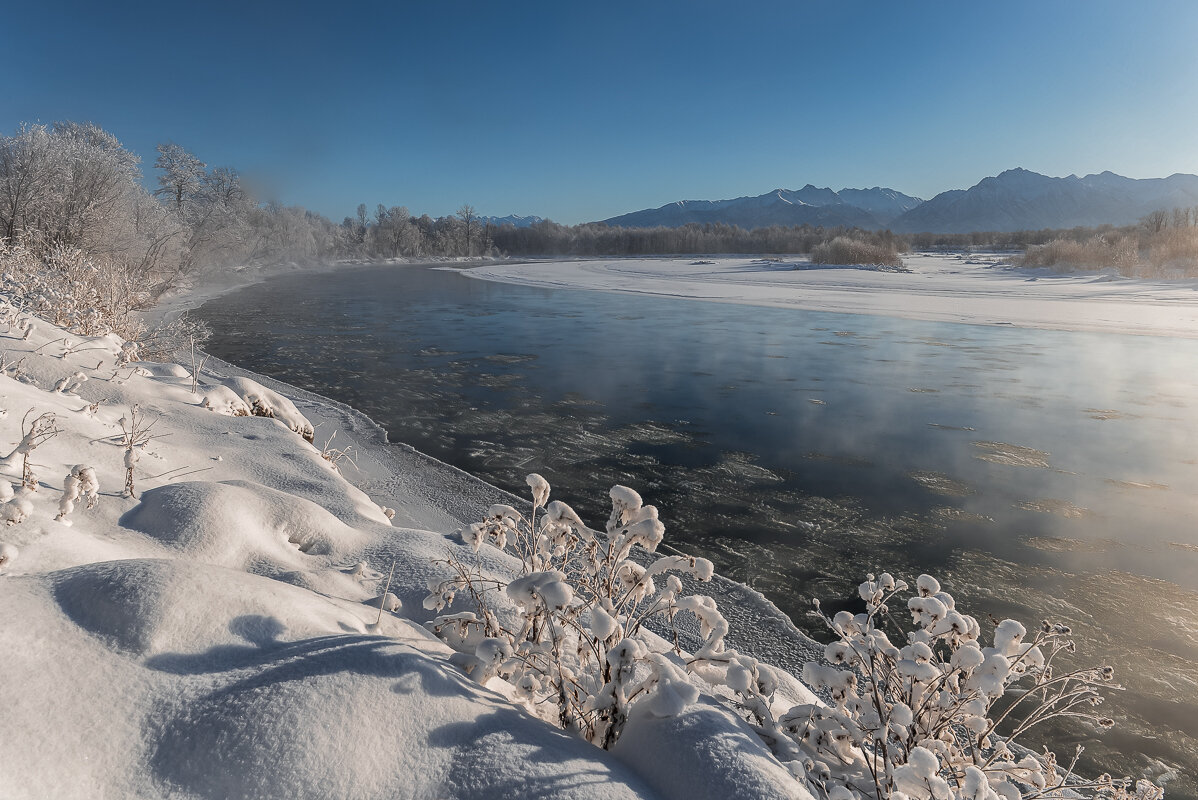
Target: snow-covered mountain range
(511, 219)
(811, 205)
(1016, 199)
(1020, 200)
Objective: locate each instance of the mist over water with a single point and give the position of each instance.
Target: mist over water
(1037, 474)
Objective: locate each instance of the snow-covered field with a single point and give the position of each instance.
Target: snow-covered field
(215, 636)
(940, 288)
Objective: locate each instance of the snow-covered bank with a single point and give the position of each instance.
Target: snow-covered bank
(215, 636)
(938, 288)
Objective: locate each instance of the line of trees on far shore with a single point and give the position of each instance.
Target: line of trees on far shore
(70, 193)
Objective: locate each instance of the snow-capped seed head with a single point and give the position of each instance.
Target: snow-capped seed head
(923, 762)
(739, 679)
(946, 599)
(625, 498)
(838, 652)
(499, 511)
(540, 489)
(1008, 635)
(8, 554)
(900, 714)
(603, 624)
(625, 653)
(559, 512)
(927, 585)
(967, 658)
(550, 588)
(493, 651)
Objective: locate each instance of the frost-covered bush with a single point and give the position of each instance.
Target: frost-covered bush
(843, 250)
(65, 286)
(919, 718)
(935, 714)
(578, 642)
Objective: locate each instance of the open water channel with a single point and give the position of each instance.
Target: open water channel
(1038, 474)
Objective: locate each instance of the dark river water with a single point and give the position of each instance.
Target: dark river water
(1037, 474)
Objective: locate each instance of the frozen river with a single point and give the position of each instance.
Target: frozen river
(1037, 473)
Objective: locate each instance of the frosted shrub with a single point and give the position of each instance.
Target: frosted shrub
(91, 295)
(578, 642)
(917, 718)
(843, 250)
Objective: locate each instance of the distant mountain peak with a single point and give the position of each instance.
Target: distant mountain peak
(1014, 199)
(1019, 199)
(811, 205)
(511, 219)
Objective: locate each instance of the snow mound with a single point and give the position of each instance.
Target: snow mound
(161, 370)
(152, 606)
(341, 716)
(240, 524)
(707, 753)
(203, 682)
(263, 402)
(224, 400)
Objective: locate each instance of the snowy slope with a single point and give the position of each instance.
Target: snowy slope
(215, 636)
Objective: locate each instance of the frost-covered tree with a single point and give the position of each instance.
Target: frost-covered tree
(468, 216)
(182, 177)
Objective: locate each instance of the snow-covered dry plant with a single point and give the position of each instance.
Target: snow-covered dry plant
(80, 482)
(136, 433)
(14, 505)
(335, 455)
(578, 643)
(42, 429)
(921, 718)
(935, 715)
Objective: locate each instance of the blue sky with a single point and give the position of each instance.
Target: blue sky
(583, 111)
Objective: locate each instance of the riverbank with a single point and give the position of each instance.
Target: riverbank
(970, 289)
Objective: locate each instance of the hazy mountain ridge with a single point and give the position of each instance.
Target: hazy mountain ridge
(811, 205)
(1016, 199)
(511, 219)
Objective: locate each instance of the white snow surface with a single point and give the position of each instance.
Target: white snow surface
(973, 289)
(215, 637)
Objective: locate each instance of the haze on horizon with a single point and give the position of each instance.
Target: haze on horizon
(582, 113)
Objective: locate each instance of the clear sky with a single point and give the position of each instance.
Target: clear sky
(583, 111)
